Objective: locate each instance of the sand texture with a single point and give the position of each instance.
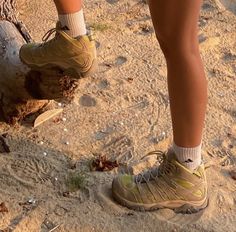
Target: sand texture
(123, 112)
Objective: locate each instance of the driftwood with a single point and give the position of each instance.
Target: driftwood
(23, 92)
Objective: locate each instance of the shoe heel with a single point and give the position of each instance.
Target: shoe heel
(92, 69)
(76, 72)
(190, 209)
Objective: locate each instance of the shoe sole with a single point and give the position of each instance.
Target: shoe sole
(181, 207)
(71, 71)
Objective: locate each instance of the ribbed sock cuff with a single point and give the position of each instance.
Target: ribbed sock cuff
(75, 23)
(189, 157)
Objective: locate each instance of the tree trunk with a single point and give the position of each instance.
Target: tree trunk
(23, 92)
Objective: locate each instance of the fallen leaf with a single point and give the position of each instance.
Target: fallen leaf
(3, 208)
(102, 164)
(46, 116)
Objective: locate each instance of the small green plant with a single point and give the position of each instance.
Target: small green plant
(76, 181)
(100, 26)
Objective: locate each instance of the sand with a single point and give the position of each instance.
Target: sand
(121, 111)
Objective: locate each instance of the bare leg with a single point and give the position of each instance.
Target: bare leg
(176, 28)
(68, 6)
(71, 16)
(179, 182)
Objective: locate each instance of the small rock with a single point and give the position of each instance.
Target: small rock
(201, 38)
(146, 29)
(121, 60)
(32, 201)
(202, 22)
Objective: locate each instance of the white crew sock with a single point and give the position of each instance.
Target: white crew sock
(74, 22)
(189, 157)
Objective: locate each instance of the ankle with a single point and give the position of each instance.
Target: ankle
(189, 157)
(74, 23)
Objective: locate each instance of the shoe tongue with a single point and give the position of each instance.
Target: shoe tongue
(60, 27)
(147, 175)
(171, 156)
(65, 28)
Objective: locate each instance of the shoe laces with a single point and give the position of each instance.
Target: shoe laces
(163, 169)
(48, 34)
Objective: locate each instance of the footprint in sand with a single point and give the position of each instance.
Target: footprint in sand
(31, 170)
(181, 220)
(120, 149)
(229, 5)
(218, 211)
(103, 196)
(87, 101)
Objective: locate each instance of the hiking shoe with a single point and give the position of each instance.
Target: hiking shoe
(74, 57)
(171, 185)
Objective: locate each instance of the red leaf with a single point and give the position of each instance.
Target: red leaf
(102, 164)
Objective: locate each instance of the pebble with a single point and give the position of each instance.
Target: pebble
(45, 153)
(41, 142)
(63, 119)
(32, 201)
(67, 143)
(65, 129)
(121, 60)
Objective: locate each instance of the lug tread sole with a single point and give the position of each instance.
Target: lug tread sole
(183, 209)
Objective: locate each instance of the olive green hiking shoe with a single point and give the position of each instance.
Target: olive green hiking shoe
(171, 185)
(74, 57)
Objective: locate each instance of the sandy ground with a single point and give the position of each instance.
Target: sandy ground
(122, 111)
